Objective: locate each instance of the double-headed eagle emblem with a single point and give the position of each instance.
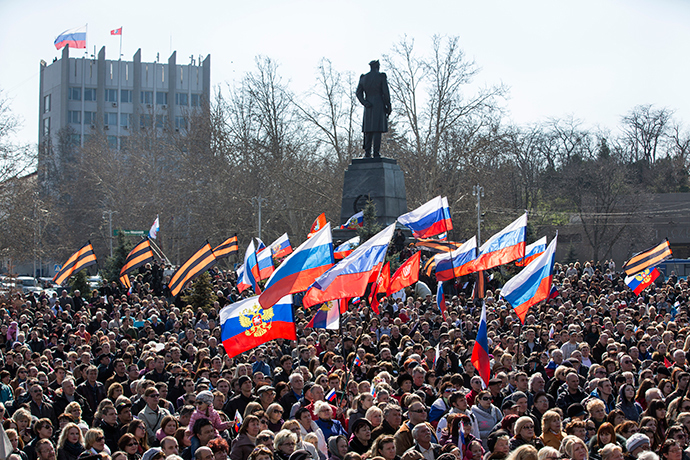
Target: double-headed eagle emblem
(255, 323)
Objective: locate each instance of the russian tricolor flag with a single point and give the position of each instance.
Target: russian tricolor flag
(532, 251)
(264, 260)
(430, 219)
(532, 284)
(346, 248)
(330, 397)
(505, 246)
(328, 316)
(642, 280)
(348, 278)
(281, 247)
(310, 260)
(456, 263)
(75, 38)
(441, 300)
(357, 220)
(246, 324)
(480, 352)
(248, 277)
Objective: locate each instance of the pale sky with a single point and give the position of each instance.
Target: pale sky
(592, 59)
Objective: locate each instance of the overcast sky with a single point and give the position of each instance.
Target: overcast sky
(592, 59)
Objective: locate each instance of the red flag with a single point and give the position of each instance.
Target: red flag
(116, 31)
(667, 363)
(382, 284)
(406, 275)
(317, 225)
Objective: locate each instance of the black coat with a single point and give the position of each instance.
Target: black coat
(373, 94)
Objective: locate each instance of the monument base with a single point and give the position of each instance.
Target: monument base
(378, 179)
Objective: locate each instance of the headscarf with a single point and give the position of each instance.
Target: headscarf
(333, 445)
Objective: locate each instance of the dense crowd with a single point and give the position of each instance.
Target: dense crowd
(596, 372)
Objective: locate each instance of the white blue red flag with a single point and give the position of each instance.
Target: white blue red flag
(246, 324)
(75, 38)
(480, 352)
(328, 316)
(441, 300)
(264, 260)
(281, 247)
(310, 260)
(249, 276)
(430, 219)
(456, 263)
(532, 284)
(116, 31)
(532, 251)
(505, 246)
(356, 220)
(346, 248)
(349, 277)
(155, 228)
(642, 280)
(330, 397)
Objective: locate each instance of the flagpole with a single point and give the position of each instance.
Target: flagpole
(121, 31)
(160, 253)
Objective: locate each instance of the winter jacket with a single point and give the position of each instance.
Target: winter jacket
(486, 420)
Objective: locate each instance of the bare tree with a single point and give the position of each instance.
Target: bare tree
(645, 131)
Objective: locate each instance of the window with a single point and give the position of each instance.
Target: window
(125, 120)
(110, 118)
(196, 100)
(112, 142)
(74, 116)
(46, 126)
(181, 99)
(111, 95)
(125, 95)
(180, 123)
(46, 104)
(75, 94)
(89, 94)
(147, 97)
(89, 118)
(161, 121)
(146, 121)
(161, 98)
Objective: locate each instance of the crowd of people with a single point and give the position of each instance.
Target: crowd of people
(596, 372)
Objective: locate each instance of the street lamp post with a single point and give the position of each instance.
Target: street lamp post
(478, 191)
(258, 201)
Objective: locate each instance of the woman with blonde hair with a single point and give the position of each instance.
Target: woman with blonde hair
(70, 444)
(284, 444)
(94, 441)
(574, 448)
(548, 453)
(22, 418)
(375, 416)
(296, 427)
(526, 452)
(16, 443)
(611, 452)
(524, 434)
(73, 409)
(552, 429)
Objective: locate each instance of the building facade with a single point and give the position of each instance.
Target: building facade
(116, 97)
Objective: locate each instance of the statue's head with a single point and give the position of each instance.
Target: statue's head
(374, 64)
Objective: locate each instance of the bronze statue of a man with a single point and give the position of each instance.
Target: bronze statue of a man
(373, 94)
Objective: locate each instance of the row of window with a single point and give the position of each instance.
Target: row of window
(110, 119)
(145, 97)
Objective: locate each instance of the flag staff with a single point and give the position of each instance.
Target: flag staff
(159, 252)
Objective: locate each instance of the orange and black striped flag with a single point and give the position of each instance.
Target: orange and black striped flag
(226, 248)
(647, 259)
(124, 280)
(80, 259)
(201, 261)
(138, 256)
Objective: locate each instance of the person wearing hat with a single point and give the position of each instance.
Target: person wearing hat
(267, 395)
(372, 92)
(635, 445)
(361, 441)
(204, 409)
(404, 382)
(524, 434)
(238, 403)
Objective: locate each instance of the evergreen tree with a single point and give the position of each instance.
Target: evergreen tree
(571, 255)
(114, 264)
(201, 293)
(79, 283)
(370, 225)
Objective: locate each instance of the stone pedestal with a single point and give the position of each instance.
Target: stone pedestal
(378, 179)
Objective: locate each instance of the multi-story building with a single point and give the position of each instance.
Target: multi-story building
(116, 97)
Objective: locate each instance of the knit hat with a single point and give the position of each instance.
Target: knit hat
(205, 397)
(635, 441)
